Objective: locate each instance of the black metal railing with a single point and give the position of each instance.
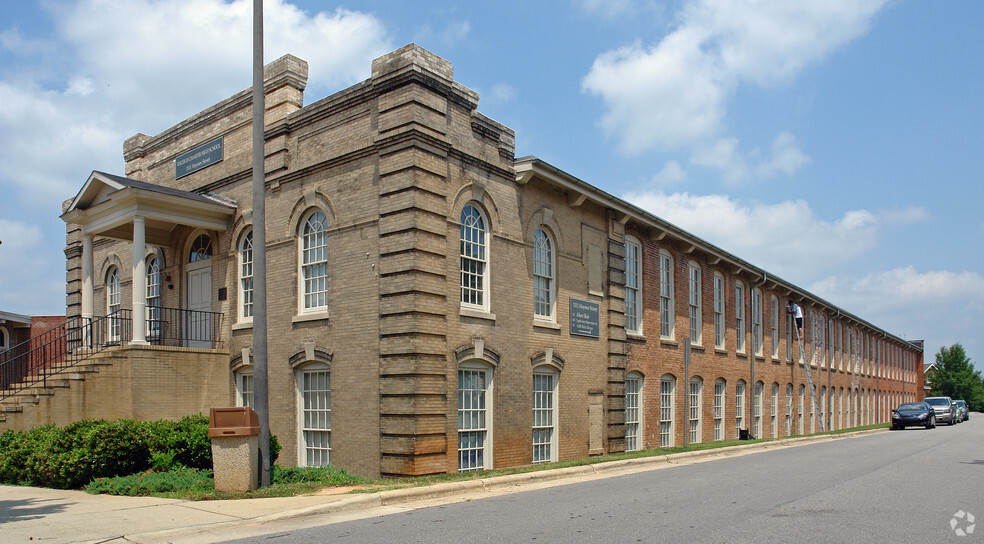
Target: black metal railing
(57, 350)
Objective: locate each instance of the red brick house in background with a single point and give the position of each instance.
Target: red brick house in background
(435, 303)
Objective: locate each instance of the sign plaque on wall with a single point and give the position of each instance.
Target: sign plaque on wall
(202, 156)
(584, 318)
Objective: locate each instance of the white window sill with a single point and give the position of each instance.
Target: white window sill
(477, 314)
(544, 324)
(635, 336)
(668, 341)
(313, 316)
(242, 326)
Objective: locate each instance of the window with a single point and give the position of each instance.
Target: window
(474, 259)
(694, 281)
(544, 416)
(789, 409)
(719, 388)
(244, 387)
(666, 392)
(246, 278)
(543, 276)
(201, 249)
(775, 327)
(739, 316)
(153, 295)
(4, 340)
(633, 287)
(718, 311)
(757, 321)
(314, 262)
(789, 336)
(633, 387)
(840, 408)
(474, 399)
(693, 410)
(740, 405)
(802, 405)
(113, 303)
(840, 346)
(665, 295)
(823, 406)
(775, 410)
(314, 389)
(757, 409)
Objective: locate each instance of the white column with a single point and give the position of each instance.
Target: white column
(86, 290)
(139, 282)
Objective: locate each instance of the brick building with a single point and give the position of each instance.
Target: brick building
(434, 303)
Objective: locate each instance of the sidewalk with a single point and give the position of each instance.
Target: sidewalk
(30, 514)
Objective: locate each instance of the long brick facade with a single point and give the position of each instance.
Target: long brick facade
(423, 378)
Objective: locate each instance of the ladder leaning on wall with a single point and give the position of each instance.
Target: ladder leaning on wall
(809, 379)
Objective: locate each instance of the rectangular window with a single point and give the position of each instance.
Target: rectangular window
(632, 442)
(718, 311)
(695, 324)
(757, 321)
(544, 450)
(740, 317)
(316, 419)
(472, 419)
(246, 390)
(473, 258)
(633, 299)
(775, 327)
(740, 405)
(694, 411)
(719, 411)
(665, 296)
(666, 413)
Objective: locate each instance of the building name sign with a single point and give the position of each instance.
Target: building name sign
(201, 157)
(584, 318)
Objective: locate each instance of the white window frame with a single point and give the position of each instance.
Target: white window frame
(544, 432)
(312, 261)
(774, 321)
(719, 309)
(633, 412)
(473, 244)
(245, 283)
(789, 409)
(244, 387)
(113, 303)
(739, 405)
(4, 339)
(314, 432)
(666, 313)
(544, 276)
(152, 311)
(775, 410)
(695, 395)
(694, 288)
(757, 340)
(757, 394)
(667, 402)
(475, 417)
(840, 408)
(823, 406)
(720, 391)
(739, 317)
(633, 285)
(801, 427)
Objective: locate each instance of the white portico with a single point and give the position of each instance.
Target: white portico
(126, 209)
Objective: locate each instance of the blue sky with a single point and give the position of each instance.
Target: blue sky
(835, 143)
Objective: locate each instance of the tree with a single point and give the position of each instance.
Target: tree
(956, 378)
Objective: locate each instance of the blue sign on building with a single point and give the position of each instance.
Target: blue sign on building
(584, 318)
(198, 158)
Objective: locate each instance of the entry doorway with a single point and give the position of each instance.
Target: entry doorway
(198, 326)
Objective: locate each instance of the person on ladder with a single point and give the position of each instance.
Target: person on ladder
(793, 308)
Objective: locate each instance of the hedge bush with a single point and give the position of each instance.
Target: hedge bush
(72, 456)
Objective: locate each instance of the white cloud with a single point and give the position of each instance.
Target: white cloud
(674, 95)
(455, 32)
(672, 173)
(786, 238)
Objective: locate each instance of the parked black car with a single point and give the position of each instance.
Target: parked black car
(913, 414)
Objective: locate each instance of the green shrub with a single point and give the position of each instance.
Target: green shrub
(330, 476)
(183, 480)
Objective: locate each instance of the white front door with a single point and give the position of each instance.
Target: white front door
(199, 324)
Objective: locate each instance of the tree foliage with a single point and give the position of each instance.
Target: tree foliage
(956, 378)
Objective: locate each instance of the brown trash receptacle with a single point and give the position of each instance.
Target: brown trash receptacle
(235, 436)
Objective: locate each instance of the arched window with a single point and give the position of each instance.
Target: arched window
(154, 297)
(802, 407)
(665, 294)
(633, 412)
(740, 405)
(720, 386)
(695, 397)
(314, 417)
(774, 405)
(739, 316)
(314, 262)
(474, 416)
(201, 249)
(474, 259)
(789, 409)
(246, 278)
(667, 401)
(694, 280)
(113, 304)
(544, 284)
(757, 409)
(633, 285)
(4, 339)
(545, 380)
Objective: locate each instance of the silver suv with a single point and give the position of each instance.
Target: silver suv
(944, 408)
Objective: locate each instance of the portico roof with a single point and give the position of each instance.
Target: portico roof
(107, 204)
